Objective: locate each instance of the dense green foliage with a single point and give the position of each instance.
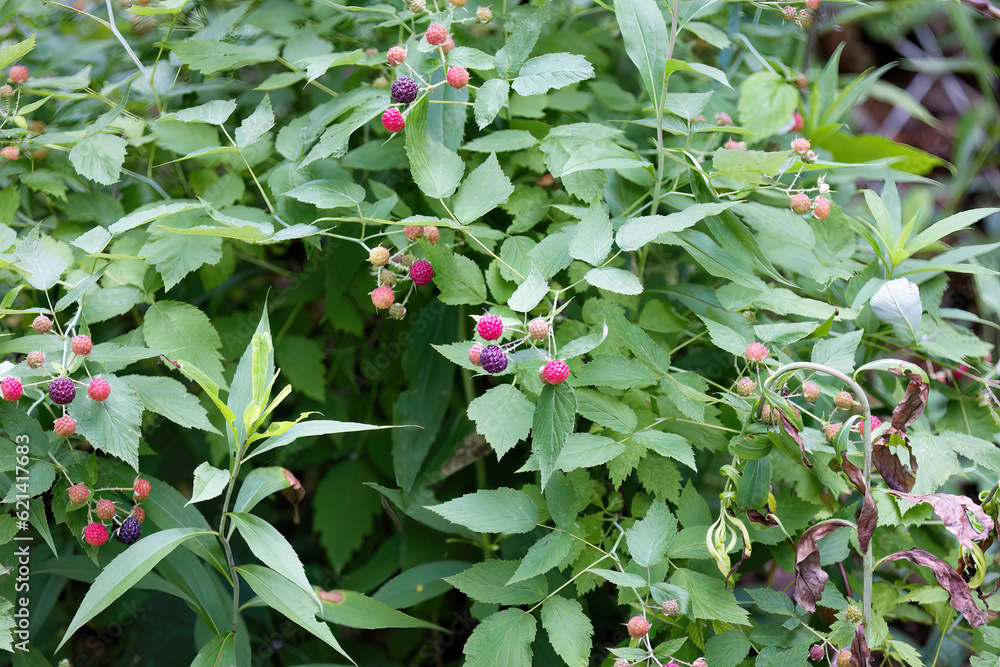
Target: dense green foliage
(202, 192)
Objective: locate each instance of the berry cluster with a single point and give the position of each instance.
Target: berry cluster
(390, 269)
(494, 358)
(128, 530)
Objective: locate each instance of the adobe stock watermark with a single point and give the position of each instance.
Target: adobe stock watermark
(22, 586)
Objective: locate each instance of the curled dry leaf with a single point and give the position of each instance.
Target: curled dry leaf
(294, 493)
(810, 579)
(861, 655)
(898, 476)
(912, 406)
(790, 429)
(762, 519)
(953, 511)
(950, 580)
(868, 518)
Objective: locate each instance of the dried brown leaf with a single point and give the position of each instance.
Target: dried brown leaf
(810, 579)
(912, 406)
(861, 655)
(898, 476)
(953, 511)
(790, 429)
(950, 580)
(868, 518)
(762, 519)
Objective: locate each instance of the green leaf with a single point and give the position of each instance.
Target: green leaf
(529, 293)
(482, 191)
(671, 445)
(502, 640)
(78, 290)
(646, 42)
(649, 538)
(618, 281)
(593, 236)
(355, 610)
(471, 58)
(169, 398)
(125, 571)
(256, 125)
(584, 344)
(44, 268)
(549, 551)
(492, 97)
(260, 483)
(273, 550)
(601, 154)
(188, 333)
(303, 364)
(328, 193)
(553, 70)
(491, 511)
(898, 303)
(586, 450)
(99, 157)
(459, 278)
(11, 53)
(637, 232)
(620, 579)
(141, 216)
(211, 56)
(554, 418)
(219, 652)
(605, 411)
(176, 255)
(216, 112)
(501, 140)
(285, 597)
(949, 225)
(727, 649)
(312, 428)
(503, 416)
(111, 425)
(209, 482)
(710, 599)
(344, 509)
(519, 44)
(766, 103)
(489, 582)
(570, 630)
(419, 584)
(608, 371)
(436, 170)
(755, 483)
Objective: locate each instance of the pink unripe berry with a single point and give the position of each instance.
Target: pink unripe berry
(392, 120)
(383, 297)
(11, 389)
(735, 145)
(844, 400)
(723, 119)
(378, 256)
(458, 77)
(95, 534)
(800, 203)
(6, 92)
(538, 328)
(555, 372)
(448, 45)
(413, 232)
(816, 652)
(436, 34)
(789, 12)
(140, 488)
(138, 514)
(638, 626)
(484, 14)
(670, 608)
(64, 426)
(41, 324)
(396, 56)
(621, 662)
(798, 122)
(756, 352)
(99, 389)
(800, 145)
(821, 208)
(474, 352)
(831, 432)
(18, 74)
(432, 234)
(489, 327)
(78, 493)
(81, 345)
(105, 510)
(10, 152)
(810, 391)
(700, 662)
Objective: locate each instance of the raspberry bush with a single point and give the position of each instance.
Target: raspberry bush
(580, 312)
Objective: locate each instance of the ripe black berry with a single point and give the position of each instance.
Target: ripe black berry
(130, 531)
(493, 359)
(62, 390)
(404, 89)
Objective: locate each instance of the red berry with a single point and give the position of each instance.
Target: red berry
(538, 329)
(436, 34)
(876, 422)
(41, 324)
(36, 358)
(81, 345)
(10, 152)
(800, 203)
(448, 45)
(756, 352)
(638, 626)
(844, 400)
(831, 432)
(383, 297)
(95, 534)
(141, 489)
(810, 391)
(801, 145)
(816, 652)
(105, 510)
(396, 56)
(62, 390)
(489, 327)
(745, 386)
(18, 74)
(413, 232)
(138, 513)
(392, 120)
(99, 389)
(554, 372)
(421, 272)
(11, 389)
(432, 234)
(78, 493)
(813, 4)
(64, 426)
(474, 352)
(821, 208)
(797, 121)
(378, 256)
(457, 77)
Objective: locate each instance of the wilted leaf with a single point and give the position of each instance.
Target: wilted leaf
(810, 579)
(868, 518)
(954, 513)
(861, 655)
(950, 580)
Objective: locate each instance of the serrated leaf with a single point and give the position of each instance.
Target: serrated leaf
(491, 511)
(554, 418)
(502, 640)
(209, 482)
(520, 42)
(489, 582)
(273, 550)
(482, 191)
(529, 293)
(586, 450)
(169, 398)
(552, 70)
(593, 236)
(111, 425)
(503, 416)
(545, 554)
(436, 170)
(328, 193)
(492, 97)
(898, 303)
(570, 630)
(614, 280)
(649, 538)
(187, 333)
(646, 42)
(637, 232)
(727, 649)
